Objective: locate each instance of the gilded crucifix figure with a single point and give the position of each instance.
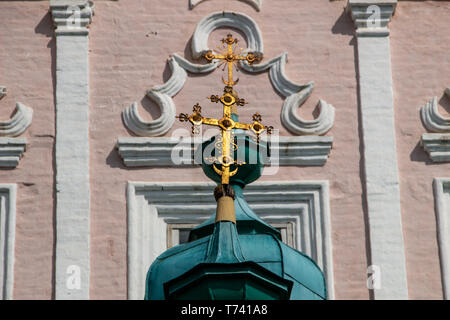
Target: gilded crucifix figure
(230, 101)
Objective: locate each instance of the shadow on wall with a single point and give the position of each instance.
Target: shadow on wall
(418, 154)
(114, 160)
(46, 28)
(343, 25)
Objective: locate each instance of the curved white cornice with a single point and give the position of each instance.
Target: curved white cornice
(162, 96)
(296, 95)
(431, 117)
(216, 20)
(19, 122)
(436, 143)
(297, 125)
(254, 3)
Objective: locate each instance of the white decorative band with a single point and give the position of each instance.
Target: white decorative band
(437, 145)
(11, 151)
(179, 151)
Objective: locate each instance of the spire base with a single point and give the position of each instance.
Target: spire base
(225, 210)
(224, 195)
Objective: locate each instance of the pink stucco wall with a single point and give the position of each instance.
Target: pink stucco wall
(420, 46)
(130, 42)
(26, 45)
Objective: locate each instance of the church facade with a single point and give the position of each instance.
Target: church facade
(98, 178)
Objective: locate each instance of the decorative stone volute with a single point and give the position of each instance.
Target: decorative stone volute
(371, 17)
(12, 148)
(72, 17)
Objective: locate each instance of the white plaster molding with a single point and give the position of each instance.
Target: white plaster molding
(381, 177)
(432, 119)
(371, 17)
(8, 195)
(152, 206)
(257, 4)
(437, 145)
(194, 3)
(72, 17)
(162, 96)
(296, 95)
(441, 188)
(240, 21)
(72, 256)
(19, 122)
(162, 151)
(11, 151)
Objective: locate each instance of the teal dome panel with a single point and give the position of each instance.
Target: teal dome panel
(173, 263)
(303, 270)
(246, 260)
(266, 251)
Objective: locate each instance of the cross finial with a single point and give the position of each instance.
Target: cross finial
(230, 100)
(231, 56)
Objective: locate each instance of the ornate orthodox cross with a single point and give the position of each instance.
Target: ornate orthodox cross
(230, 57)
(230, 101)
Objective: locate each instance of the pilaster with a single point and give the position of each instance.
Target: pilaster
(371, 18)
(72, 263)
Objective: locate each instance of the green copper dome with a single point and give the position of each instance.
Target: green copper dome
(245, 260)
(252, 154)
(228, 251)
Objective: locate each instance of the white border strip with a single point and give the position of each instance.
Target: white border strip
(8, 195)
(441, 188)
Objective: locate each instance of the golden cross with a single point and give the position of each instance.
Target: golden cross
(226, 124)
(230, 57)
(229, 100)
